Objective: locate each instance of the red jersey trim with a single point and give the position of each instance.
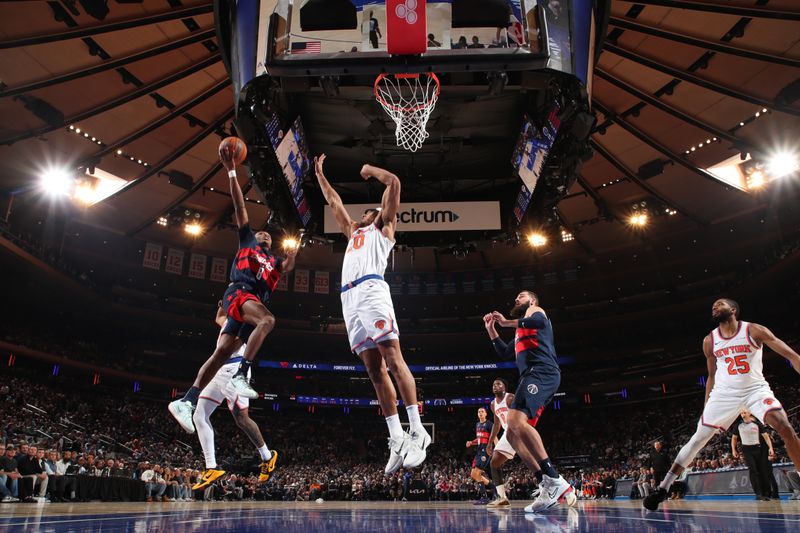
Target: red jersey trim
(723, 337)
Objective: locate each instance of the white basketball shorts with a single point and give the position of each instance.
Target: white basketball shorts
(504, 447)
(220, 388)
(724, 405)
(369, 315)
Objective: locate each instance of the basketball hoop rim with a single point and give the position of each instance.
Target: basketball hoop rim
(400, 109)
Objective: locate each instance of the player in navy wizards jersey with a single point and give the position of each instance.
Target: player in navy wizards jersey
(254, 275)
(540, 377)
(483, 429)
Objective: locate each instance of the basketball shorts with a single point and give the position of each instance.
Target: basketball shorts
(369, 315)
(504, 447)
(236, 295)
(219, 388)
(535, 390)
(724, 405)
(481, 461)
(237, 329)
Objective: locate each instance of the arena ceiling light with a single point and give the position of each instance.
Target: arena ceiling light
(782, 164)
(537, 239)
(194, 229)
(638, 220)
(56, 182)
(290, 243)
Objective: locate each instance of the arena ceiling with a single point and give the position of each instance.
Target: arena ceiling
(679, 87)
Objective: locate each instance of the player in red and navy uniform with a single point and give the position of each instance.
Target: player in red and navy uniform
(540, 377)
(483, 429)
(254, 275)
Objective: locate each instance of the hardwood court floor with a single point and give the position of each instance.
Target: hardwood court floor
(438, 517)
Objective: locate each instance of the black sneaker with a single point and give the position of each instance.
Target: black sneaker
(651, 501)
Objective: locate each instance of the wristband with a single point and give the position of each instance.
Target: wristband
(232, 173)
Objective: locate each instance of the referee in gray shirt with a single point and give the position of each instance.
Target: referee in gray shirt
(751, 434)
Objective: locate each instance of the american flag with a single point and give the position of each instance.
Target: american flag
(309, 47)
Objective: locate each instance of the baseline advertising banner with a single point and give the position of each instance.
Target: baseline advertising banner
(174, 261)
(152, 256)
(197, 266)
(219, 269)
(431, 216)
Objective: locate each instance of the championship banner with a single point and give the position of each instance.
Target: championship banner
(219, 269)
(300, 280)
(197, 266)
(174, 261)
(283, 283)
(322, 282)
(431, 216)
(152, 256)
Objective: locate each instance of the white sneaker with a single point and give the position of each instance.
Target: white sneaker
(551, 490)
(182, 411)
(242, 387)
(9, 499)
(499, 503)
(398, 448)
(417, 450)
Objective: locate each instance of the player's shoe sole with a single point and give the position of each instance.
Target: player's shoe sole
(651, 501)
(182, 411)
(267, 467)
(209, 477)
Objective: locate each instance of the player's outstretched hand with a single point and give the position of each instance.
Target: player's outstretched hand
(499, 318)
(318, 161)
(226, 156)
(366, 171)
(469, 443)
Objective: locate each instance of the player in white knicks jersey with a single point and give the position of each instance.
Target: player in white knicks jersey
(735, 381)
(369, 313)
(221, 389)
(503, 451)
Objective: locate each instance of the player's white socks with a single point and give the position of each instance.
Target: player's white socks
(413, 418)
(265, 453)
(501, 491)
(669, 479)
(395, 429)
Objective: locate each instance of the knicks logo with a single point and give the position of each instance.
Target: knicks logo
(533, 389)
(380, 324)
(407, 11)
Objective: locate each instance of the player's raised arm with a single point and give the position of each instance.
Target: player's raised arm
(711, 362)
(390, 203)
(287, 264)
(332, 197)
(763, 335)
(240, 211)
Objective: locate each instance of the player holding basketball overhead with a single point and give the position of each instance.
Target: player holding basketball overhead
(483, 428)
(214, 394)
(254, 275)
(735, 381)
(503, 451)
(369, 313)
(540, 377)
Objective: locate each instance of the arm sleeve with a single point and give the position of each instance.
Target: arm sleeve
(500, 347)
(535, 321)
(247, 238)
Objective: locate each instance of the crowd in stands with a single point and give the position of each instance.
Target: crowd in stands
(52, 432)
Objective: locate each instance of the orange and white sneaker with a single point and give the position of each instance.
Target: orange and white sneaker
(208, 477)
(267, 467)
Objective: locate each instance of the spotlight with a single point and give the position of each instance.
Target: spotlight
(77, 130)
(162, 221)
(566, 236)
(782, 164)
(290, 243)
(537, 239)
(193, 229)
(56, 182)
(85, 194)
(119, 152)
(638, 220)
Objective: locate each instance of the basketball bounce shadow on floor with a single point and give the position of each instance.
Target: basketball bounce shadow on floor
(391, 517)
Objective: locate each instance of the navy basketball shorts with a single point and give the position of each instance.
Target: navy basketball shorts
(481, 461)
(535, 390)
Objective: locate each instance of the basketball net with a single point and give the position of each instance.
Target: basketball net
(409, 100)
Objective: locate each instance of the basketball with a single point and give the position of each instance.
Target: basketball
(237, 145)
